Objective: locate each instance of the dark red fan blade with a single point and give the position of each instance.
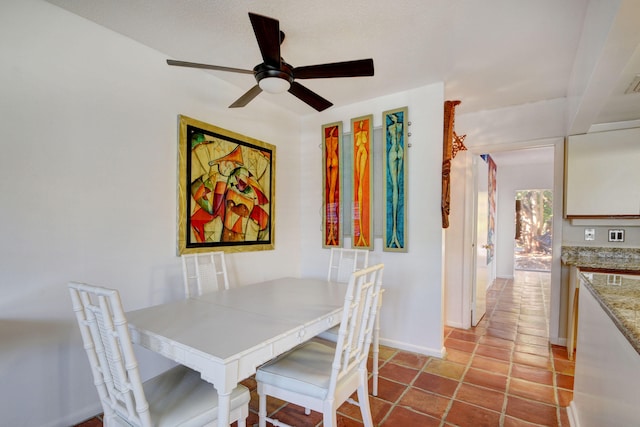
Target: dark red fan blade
(358, 68)
(247, 97)
(310, 97)
(207, 66)
(267, 31)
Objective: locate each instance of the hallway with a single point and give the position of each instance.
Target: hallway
(508, 365)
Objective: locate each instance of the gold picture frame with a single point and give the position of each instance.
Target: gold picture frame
(226, 190)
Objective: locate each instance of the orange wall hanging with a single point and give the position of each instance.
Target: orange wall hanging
(362, 213)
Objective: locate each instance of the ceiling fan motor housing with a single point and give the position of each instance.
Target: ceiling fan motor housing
(285, 72)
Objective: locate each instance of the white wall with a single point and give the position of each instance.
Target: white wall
(411, 316)
(458, 263)
(88, 129)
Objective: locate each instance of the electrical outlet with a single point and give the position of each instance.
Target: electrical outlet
(616, 235)
(589, 234)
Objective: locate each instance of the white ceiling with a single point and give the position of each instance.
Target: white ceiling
(491, 54)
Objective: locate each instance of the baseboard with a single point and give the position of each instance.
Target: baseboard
(440, 353)
(457, 325)
(77, 416)
(572, 412)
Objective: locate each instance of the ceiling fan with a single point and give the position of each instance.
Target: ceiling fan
(274, 75)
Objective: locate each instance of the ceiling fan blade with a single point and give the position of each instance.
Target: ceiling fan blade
(358, 68)
(207, 66)
(247, 97)
(310, 97)
(267, 31)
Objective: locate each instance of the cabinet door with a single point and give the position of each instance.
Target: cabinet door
(607, 373)
(602, 176)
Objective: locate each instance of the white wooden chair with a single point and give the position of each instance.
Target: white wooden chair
(343, 262)
(322, 375)
(204, 272)
(177, 397)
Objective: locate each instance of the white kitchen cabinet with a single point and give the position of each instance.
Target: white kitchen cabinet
(602, 174)
(607, 372)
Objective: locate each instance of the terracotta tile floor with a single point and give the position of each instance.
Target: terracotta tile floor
(501, 373)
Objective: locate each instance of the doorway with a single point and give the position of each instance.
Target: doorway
(534, 230)
(483, 246)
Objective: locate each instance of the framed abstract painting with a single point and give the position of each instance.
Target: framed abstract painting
(362, 210)
(491, 229)
(394, 185)
(226, 190)
(332, 185)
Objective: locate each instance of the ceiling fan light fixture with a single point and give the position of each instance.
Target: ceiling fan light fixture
(274, 85)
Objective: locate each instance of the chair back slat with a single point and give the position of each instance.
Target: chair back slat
(343, 262)
(204, 272)
(357, 324)
(106, 339)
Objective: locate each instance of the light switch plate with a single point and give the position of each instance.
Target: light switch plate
(589, 234)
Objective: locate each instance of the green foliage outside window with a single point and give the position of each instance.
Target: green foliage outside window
(534, 220)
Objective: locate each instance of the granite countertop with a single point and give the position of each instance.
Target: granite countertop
(604, 260)
(619, 296)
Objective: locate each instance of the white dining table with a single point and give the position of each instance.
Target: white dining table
(226, 335)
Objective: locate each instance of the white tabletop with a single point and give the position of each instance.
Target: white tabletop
(226, 335)
(298, 300)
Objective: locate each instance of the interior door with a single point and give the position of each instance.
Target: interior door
(481, 246)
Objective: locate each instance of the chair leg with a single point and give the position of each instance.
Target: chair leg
(363, 402)
(376, 351)
(109, 420)
(376, 348)
(262, 408)
(329, 415)
(244, 414)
